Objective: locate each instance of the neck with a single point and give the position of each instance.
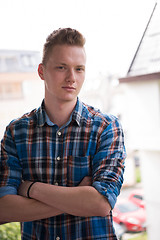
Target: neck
(59, 112)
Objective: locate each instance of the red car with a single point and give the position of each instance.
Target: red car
(132, 217)
(136, 196)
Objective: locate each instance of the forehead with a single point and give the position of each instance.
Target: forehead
(68, 54)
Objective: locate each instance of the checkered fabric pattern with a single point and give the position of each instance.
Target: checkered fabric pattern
(89, 144)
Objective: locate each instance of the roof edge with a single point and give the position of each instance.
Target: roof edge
(135, 55)
(145, 77)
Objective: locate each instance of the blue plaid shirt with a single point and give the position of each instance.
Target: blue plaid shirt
(89, 144)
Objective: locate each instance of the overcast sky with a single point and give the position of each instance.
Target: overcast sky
(113, 28)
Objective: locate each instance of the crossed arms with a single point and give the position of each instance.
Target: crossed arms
(83, 200)
(50, 200)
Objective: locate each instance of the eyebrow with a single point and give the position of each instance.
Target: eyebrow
(64, 64)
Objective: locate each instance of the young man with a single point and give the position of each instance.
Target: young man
(61, 166)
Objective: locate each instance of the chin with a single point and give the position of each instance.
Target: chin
(69, 99)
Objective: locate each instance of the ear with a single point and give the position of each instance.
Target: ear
(41, 71)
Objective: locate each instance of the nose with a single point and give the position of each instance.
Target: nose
(71, 77)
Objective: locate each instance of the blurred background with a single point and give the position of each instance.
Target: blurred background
(122, 78)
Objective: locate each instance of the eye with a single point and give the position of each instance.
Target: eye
(60, 67)
(80, 69)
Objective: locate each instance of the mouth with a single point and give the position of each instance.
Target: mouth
(69, 88)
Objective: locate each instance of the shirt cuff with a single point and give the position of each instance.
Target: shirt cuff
(7, 190)
(108, 190)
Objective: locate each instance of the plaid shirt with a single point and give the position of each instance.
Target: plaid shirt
(90, 144)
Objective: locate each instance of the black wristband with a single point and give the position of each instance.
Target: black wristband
(30, 189)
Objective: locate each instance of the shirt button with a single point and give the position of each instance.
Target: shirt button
(59, 133)
(57, 238)
(58, 158)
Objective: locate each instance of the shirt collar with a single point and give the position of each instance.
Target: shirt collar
(43, 118)
(77, 112)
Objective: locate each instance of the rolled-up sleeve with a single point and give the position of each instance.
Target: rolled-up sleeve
(108, 162)
(10, 167)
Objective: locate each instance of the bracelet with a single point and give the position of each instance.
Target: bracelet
(30, 189)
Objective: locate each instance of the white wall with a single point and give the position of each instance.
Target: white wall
(150, 168)
(141, 115)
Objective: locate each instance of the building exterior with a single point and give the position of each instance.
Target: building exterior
(141, 114)
(20, 87)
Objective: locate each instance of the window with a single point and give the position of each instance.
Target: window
(28, 60)
(10, 90)
(8, 64)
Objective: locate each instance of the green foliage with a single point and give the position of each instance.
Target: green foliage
(10, 231)
(142, 236)
(138, 174)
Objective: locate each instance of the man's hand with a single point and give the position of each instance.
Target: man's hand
(86, 181)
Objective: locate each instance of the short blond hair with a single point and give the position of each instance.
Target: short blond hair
(62, 36)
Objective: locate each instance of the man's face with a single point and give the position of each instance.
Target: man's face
(64, 73)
